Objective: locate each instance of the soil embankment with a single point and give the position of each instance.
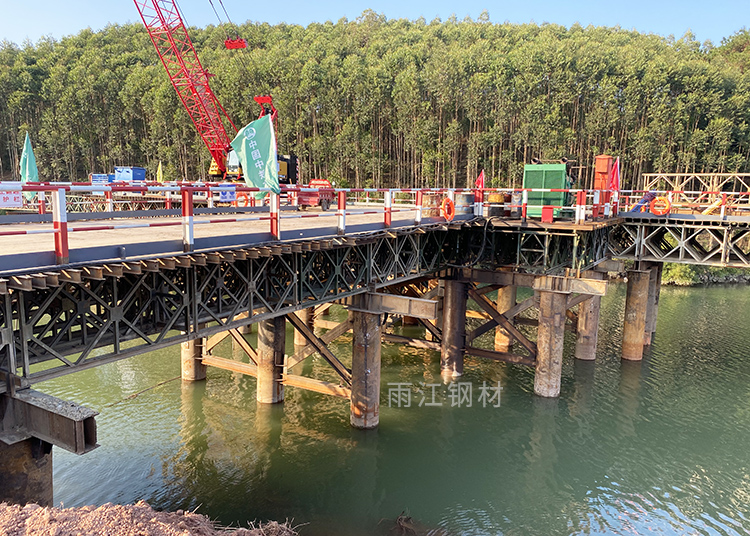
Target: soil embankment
(119, 520)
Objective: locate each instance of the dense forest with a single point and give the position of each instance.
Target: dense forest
(378, 102)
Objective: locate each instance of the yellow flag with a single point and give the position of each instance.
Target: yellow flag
(159, 173)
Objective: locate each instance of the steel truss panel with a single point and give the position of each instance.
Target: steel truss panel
(688, 242)
(49, 332)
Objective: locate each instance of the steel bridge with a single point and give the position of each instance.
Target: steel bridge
(183, 263)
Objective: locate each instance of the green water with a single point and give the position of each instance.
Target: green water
(658, 447)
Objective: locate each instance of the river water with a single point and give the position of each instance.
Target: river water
(658, 447)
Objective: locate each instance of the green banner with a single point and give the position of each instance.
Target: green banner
(29, 171)
(255, 146)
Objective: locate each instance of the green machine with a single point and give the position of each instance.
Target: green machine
(553, 176)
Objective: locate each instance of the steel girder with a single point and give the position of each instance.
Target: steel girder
(688, 242)
(54, 331)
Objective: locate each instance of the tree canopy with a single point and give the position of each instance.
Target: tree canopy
(389, 103)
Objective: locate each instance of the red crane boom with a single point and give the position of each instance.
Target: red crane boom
(172, 42)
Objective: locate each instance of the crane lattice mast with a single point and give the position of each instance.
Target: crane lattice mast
(172, 42)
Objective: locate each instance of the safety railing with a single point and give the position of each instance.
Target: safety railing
(682, 202)
(179, 204)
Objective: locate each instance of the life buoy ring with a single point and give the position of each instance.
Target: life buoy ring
(448, 209)
(660, 206)
(243, 197)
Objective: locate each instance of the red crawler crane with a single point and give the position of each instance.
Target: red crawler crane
(172, 42)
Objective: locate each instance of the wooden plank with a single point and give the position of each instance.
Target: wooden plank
(317, 386)
(228, 364)
(481, 315)
(321, 348)
(506, 357)
(488, 306)
(414, 343)
(328, 337)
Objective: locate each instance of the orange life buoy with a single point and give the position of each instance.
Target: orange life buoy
(448, 209)
(243, 197)
(660, 206)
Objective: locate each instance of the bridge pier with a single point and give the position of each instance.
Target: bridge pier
(551, 334)
(654, 290)
(636, 305)
(506, 298)
(26, 472)
(365, 397)
(588, 325)
(271, 346)
(454, 329)
(191, 356)
(307, 316)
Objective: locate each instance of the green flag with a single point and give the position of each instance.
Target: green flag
(29, 172)
(255, 146)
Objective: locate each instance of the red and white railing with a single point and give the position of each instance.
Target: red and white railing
(388, 205)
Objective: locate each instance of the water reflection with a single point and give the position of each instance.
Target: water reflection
(651, 447)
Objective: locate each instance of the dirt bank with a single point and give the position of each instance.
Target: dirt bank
(118, 520)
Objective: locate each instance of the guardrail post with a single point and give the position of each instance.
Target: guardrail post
(596, 202)
(723, 205)
(388, 201)
(419, 200)
(478, 202)
(42, 203)
(607, 205)
(188, 236)
(168, 200)
(110, 201)
(341, 218)
(524, 204)
(60, 221)
(580, 206)
(275, 203)
(210, 198)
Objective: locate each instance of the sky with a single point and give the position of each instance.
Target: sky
(708, 20)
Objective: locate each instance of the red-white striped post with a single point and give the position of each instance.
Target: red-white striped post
(275, 222)
(341, 214)
(168, 200)
(387, 211)
(42, 203)
(580, 206)
(60, 222)
(596, 204)
(110, 201)
(418, 202)
(188, 236)
(210, 198)
(479, 202)
(723, 205)
(524, 204)
(607, 204)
